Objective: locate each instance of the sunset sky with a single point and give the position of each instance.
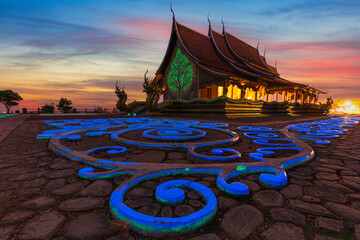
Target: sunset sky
(78, 49)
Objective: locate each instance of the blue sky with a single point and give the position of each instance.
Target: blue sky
(78, 49)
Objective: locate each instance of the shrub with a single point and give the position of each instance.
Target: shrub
(48, 108)
(65, 105)
(99, 110)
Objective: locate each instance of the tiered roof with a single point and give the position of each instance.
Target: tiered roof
(223, 55)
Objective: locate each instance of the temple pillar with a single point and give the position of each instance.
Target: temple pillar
(259, 93)
(302, 98)
(312, 97)
(296, 95)
(242, 90)
(316, 98)
(283, 96)
(263, 93)
(276, 96)
(242, 93)
(267, 97)
(225, 88)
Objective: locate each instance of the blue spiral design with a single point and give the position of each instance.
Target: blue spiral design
(168, 193)
(174, 134)
(260, 135)
(268, 143)
(90, 174)
(255, 129)
(219, 154)
(321, 131)
(93, 134)
(71, 138)
(109, 150)
(235, 188)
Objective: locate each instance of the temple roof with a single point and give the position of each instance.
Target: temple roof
(223, 55)
(243, 50)
(200, 47)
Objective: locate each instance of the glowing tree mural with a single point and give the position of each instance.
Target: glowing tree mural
(180, 74)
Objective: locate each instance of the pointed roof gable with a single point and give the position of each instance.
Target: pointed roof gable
(244, 51)
(200, 47)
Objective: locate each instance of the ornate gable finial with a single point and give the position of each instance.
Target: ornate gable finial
(222, 21)
(264, 52)
(172, 10)
(257, 47)
(209, 33)
(276, 64)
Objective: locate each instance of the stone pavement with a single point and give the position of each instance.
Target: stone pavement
(42, 197)
(7, 124)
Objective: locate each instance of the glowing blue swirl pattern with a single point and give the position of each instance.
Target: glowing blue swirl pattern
(190, 136)
(319, 131)
(178, 134)
(174, 134)
(75, 137)
(109, 150)
(170, 194)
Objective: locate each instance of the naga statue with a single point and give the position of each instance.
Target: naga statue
(153, 93)
(121, 94)
(327, 106)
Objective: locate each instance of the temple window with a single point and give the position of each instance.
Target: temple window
(236, 92)
(220, 91)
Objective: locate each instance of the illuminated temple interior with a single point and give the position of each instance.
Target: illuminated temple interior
(223, 65)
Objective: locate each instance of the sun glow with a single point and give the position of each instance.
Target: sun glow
(346, 106)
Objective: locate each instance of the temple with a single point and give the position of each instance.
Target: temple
(207, 67)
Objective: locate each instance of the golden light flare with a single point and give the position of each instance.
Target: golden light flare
(346, 106)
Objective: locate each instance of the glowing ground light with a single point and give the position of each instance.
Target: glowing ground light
(7, 115)
(169, 134)
(109, 150)
(75, 137)
(93, 134)
(321, 132)
(176, 136)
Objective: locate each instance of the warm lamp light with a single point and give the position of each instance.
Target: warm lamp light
(220, 91)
